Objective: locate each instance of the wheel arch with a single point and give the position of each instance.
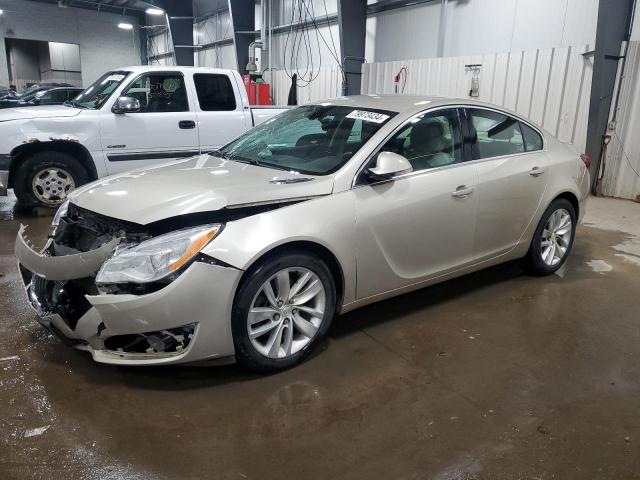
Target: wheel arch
(73, 148)
(572, 198)
(309, 247)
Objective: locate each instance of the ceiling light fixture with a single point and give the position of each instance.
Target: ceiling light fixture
(125, 26)
(154, 11)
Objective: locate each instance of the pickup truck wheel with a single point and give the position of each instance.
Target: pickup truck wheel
(282, 311)
(46, 178)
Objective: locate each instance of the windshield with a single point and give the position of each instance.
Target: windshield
(313, 139)
(29, 91)
(99, 92)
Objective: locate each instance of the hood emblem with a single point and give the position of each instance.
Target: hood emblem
(287, 181)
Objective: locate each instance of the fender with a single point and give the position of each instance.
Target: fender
(23, 137)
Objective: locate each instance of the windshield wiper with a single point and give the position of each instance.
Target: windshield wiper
(255, 163)
(229, 156)
(274, 166)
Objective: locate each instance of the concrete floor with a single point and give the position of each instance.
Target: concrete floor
(495, 375)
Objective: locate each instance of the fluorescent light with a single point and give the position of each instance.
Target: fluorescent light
(125, 26)
(154, 11)
(1, 11)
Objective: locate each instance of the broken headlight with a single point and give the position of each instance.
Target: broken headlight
(158, 257)
(60, 214)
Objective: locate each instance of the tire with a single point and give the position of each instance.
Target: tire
(254, 353)
(61, 170)
(537, 261)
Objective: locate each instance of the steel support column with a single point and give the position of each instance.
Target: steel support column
(614, 20)
(352, 22)
(243, 20)
(180, 13)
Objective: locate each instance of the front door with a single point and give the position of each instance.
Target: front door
(164, 129)
(419, 225)
(511, 179)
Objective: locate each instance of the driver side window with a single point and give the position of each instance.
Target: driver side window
(429, 140)
(159, 92)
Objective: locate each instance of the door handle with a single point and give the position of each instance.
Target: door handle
(186, 124)
(536, 171)
(462, 192)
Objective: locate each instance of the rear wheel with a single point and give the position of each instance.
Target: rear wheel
(553, 239)
(46, 178)
(282, 311)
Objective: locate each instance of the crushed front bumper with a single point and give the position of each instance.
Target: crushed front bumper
(194, 309)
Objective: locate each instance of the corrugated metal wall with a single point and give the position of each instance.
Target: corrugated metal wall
(622, 165)
(211, 29)
(549, 86)
(326, 85)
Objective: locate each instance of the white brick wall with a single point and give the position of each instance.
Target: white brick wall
(102, 44)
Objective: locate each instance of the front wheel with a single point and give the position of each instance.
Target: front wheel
(553, 239)
(46, 178)
(282, 311)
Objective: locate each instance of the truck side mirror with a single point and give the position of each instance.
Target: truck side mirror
(126, 105)
(388, 165)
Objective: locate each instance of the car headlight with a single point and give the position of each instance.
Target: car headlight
(158, 257)
(60, 214)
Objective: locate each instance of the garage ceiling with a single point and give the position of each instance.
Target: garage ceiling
(113, 6)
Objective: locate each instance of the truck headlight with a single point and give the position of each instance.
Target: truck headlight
(158, 257)
(60, 214)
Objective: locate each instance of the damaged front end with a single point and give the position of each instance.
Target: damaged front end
(60, 282)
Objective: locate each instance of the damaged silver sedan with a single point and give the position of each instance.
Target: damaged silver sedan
(247, 253)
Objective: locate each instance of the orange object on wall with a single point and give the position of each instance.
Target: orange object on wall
(259, 93)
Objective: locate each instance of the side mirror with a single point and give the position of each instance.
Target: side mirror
(126, 105)
(388, 165)
(35, 101)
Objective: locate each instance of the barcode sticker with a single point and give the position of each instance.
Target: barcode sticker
(367, 116)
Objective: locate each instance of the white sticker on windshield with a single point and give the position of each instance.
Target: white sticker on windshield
(367, 116)
(115, 77)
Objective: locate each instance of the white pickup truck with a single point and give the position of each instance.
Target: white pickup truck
(129, 118)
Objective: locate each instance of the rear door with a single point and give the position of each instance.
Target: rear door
(164, 129)
(512, 178)
(221, 114)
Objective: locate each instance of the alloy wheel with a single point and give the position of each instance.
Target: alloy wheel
(556, 237)
(52, 185)
(286, 312)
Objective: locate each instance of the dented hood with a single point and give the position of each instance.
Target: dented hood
(200, 184)
(44, 111)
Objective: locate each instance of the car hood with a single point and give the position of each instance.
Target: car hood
(44, 111)
(203, 183)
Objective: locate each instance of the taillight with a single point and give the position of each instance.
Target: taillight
(587, 161)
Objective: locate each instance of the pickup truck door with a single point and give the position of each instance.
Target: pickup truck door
(222, 115)
(164, 129)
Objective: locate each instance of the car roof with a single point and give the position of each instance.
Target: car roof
(411, 104)
(161, 68)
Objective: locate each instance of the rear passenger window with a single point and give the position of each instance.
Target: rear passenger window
(215, 92)
(532, 139)
(495, 135)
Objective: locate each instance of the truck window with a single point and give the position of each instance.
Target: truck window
(215, 92)
(159, 92)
